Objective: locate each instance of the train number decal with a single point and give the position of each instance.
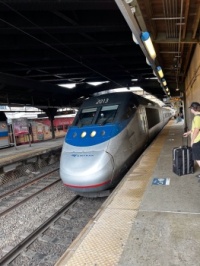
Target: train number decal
(104, 100)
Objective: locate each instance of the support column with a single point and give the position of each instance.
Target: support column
(51, 112)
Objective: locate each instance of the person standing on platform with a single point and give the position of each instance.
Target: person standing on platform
(195, 132)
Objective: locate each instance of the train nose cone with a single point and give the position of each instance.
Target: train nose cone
(86, 171)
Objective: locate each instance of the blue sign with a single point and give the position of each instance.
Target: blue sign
(161, 181)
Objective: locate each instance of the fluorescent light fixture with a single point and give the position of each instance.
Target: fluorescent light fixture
(136, 89)
(152, 78)
(118, 90)
(160, 72)
(145, 37)
(164, 82)
(97, 83)
(134, 79)
(68, 85)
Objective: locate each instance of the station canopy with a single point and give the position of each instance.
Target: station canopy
(93, 46)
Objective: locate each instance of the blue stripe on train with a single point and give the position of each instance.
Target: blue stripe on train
(103, 133)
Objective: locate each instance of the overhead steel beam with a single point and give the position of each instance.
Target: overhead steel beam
(128, 13)
(161, 38)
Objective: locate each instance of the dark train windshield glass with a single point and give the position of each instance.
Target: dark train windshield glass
(99, 116)
(86, 117)
(107, 114)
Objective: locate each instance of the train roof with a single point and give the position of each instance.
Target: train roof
(117, 98)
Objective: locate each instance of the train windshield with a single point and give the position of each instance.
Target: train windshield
(86, 117)
(107, 114)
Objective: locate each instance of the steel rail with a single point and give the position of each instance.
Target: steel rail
(26, 199)
(27, 184)
(10, 256)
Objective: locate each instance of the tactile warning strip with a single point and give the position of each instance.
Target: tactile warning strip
(102, 241)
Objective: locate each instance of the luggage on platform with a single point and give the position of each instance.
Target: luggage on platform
(183, 162)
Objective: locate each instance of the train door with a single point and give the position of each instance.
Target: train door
(40, 131)
(142, 132)
(143, 120)
(131, 128)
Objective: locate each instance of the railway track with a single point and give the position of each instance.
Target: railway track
(14, 198)
(15, 252)
(48, 242)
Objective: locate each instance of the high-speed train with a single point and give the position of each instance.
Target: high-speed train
(107, 135)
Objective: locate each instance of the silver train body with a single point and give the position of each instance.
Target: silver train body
(107, 135)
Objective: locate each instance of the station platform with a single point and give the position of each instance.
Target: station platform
(14, 154)
(28, 159)
(152, 217)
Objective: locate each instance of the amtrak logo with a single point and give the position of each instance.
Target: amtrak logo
(82, 155)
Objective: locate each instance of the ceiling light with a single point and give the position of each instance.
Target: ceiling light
(68, 85)
(164, 82)
(160, 72)
(177, 89)
(166, 89)
(145, 37)
(97, 83)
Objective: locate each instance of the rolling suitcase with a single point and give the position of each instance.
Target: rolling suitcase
(183, 163)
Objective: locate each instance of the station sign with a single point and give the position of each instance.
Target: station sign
(161, 181)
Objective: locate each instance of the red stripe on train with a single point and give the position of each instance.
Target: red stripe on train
(91, 186)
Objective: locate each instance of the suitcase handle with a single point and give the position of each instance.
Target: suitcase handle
(183, 141)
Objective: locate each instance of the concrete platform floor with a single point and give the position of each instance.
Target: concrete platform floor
(166, 230)
(141, 223)
(14, 154)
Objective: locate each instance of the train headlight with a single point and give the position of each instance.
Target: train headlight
(83, 134)
(93, 133)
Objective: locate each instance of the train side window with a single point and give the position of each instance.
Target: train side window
(60, 127)
(129, 111)
(53, 128)
(65, 127)
(153, 117)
